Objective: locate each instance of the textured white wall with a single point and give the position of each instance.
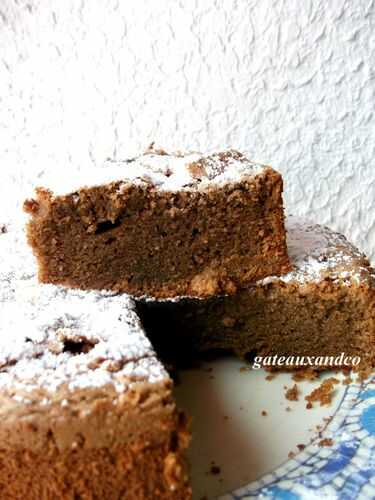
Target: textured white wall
(291, 81)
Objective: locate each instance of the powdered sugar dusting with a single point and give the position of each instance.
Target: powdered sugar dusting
(52, 337)
(316, 252)
(16, 260)
(164, 171)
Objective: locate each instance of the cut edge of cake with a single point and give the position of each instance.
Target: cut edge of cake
(327, 302)
(135, 236)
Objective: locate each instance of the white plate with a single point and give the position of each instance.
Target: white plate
(251, 450)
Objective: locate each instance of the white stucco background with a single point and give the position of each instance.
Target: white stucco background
(291, 81)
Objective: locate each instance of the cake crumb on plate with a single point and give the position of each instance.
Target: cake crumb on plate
(322, 394)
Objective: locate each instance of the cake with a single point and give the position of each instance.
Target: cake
(161, 225)
(86, 407)
(324, 307)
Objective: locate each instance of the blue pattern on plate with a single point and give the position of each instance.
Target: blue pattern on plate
(368, 419)
(344, 471)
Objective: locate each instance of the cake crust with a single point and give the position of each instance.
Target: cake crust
(163, 225)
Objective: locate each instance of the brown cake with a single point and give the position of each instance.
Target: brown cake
(86, 410)
(161, 225)
(86, 406)
(324, 307)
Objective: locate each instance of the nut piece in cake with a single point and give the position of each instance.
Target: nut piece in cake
(161, 225)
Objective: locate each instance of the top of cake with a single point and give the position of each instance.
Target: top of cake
(162, 170)
(55, 341)
(316, 253)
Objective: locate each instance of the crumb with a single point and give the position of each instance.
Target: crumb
(269, 369)
(264, 413)
(291, 454)
(346, 370)
(363, 374)
(309, 406)
(347, 380)
(324, 393)
(225, 417)
(3, 229)
(288, 408)
(31, 206)
(307, 374)
(271, 376)
(326, 442)
(301, 447)
(215, 470)
(245, 369)
(292, 393)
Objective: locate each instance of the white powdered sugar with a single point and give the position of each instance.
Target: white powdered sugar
(316, 252)
(166, 172)
(16, 259)
(52, 337)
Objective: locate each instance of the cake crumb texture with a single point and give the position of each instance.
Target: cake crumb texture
(162, 225)
(323, 308)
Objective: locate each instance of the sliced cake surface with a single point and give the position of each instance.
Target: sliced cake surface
(86, 407)
(161, 225)
(324, 307)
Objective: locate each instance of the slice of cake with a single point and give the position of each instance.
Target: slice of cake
(161, 225)
(86, 407)
(323, 308)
